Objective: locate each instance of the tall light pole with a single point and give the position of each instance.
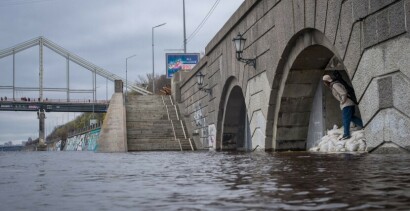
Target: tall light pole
(183, 8)
(153, 69)
(126, 76)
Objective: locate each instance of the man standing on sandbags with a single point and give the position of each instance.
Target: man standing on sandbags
(347, 105)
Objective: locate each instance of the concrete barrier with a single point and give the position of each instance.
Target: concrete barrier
(113, 136)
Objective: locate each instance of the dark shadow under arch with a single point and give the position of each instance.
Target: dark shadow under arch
(234, 130)
(298, 92)
(228, 85)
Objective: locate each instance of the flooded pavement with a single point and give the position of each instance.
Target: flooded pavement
(203, 181)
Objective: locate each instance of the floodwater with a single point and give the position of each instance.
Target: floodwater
(203, 181)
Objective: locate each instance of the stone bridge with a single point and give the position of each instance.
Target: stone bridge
(281, 104)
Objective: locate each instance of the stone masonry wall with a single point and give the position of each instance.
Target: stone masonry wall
(370, 37)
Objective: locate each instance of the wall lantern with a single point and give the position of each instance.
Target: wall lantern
(200, 81)
(239, 45)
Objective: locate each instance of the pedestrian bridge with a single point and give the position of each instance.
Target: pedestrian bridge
(13, 101)
(280, 103)
(55, 105)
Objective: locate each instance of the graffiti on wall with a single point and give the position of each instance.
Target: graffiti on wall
(212, 136)
(198, 117)
(82, 142)
(199, 120)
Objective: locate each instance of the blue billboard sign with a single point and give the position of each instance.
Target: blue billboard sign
(180, 61)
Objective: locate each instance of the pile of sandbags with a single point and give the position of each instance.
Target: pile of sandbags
(331, 142)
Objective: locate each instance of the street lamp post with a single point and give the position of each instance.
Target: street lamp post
(153, 69)
(183, 9)
(126, 76)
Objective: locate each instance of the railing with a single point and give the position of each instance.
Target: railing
(36, 100)
(85, 129)
(172, 124)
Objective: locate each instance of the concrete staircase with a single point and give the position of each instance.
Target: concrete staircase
(153, 124)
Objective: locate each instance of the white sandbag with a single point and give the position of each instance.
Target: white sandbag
(362, 146)
(331, 146)
(324, 147)
(339, 146)
(331, 142)
(314, 149)
(351, 145)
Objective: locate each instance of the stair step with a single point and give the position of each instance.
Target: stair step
(153, 124)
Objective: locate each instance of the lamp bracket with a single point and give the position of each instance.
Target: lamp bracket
(250, 62)
(206, 90)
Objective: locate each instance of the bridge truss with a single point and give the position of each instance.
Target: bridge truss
(44, 42)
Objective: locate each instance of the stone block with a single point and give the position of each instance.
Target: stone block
(258, 139)
(298, 90)
(291, 133)
(383, 25)
(263, 59)
(270, 4)
(305, 76)
(370, 31)
(345, 28)
(321, 9)
(385, 92)
(382, 59)
(378, 4)
(389, 148)
(401, 92)
(294, 145)
(299, 14)
(256, 102)
(284, 28)
(370, 65)
(360, 9)
(332, 19)
(397, 19)
(293, 119)
(353, 51)
(257, 84)
(397, 55)
(397, 128)
(259, 11)
(369, 104)
(407, 11)
(296, 104)
(257, 121)
(265, 24)
(388, 125)
(310, 10)
(374, 132)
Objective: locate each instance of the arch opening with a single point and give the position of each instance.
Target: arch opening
(307, 107)
(236, 130)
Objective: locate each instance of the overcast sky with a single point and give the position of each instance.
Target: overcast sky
(104, 32)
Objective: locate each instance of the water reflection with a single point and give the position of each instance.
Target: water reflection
(203, 181)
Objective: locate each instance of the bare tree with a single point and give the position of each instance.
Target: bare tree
(146, 82)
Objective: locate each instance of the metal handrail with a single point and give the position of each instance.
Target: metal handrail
(190, 143)
(172, 124)
(182, 125)
(166, 107)
(180, 145)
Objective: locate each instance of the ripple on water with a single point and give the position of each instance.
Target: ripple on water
(203, 181)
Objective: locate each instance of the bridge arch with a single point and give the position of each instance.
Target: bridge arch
(282, 35)
(297, 92)
(233, 130)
